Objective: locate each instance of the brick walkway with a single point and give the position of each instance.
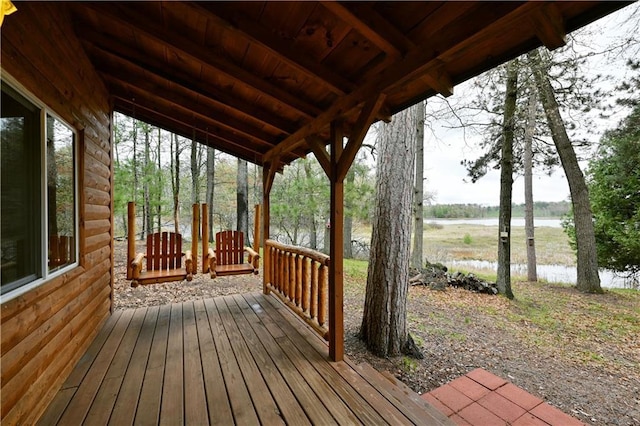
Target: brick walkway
(482, 398)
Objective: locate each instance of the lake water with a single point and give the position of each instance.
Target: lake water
(516, 221)
(551, 273)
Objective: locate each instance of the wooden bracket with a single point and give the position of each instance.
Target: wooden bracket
(548, 25)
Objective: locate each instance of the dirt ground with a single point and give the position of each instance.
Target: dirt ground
(457, 332)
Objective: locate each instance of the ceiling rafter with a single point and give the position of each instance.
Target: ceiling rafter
(440, 80)
(239, 25)
(149, 114)
(230, 124)
(343, 13)
(415, 64)
(152, 30)
(128, 55)
(181, 102)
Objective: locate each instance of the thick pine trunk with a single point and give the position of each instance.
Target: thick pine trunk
(148, 215)
(384, 327)
(532, 273)
(587, 264)
(175, 182)
(506, 182)
(418, 193)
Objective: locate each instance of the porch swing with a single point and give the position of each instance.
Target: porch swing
(163, 255)
(228, 257)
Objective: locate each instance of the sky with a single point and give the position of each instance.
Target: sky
(445, 148)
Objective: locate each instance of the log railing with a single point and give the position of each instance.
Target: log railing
(299, 276)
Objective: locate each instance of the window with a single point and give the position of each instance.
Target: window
(39, 194)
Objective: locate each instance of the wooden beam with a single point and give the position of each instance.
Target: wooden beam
(336, 249)
(416, 63)
(440, 80)
(318, 146)
(98, 43)
(363, 28)
(252, 31)
(140, 24)
(548, 25)
(358, 132)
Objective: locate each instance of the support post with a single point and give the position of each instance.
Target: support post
(256, 229)
(268, 174)
(336, 248)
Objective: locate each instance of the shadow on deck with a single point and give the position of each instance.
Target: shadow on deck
(242, 359)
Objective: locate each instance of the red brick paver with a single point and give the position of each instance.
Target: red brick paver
(481, 398)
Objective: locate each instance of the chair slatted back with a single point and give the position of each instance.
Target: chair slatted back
(164, 251)
(230, 248)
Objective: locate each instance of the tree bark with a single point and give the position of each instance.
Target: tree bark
(146, 181)
(159, 182)
(211, 174)
(348, 216)
(532, 273)
(384, 328)
(588, 279)
(242, 194)
(310, 219)
(506, 182)
(418, 193)
(175, 181)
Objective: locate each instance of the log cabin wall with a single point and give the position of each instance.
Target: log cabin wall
(45, 331)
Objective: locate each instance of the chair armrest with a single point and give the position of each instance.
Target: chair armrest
(254, 258)
(211, 258)
(136, 268)
(188, 264)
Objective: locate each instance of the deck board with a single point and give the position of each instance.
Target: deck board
(241, 359)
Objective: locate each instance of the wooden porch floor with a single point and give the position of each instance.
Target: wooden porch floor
(242, 359)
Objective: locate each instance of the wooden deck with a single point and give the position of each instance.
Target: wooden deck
(242, 359)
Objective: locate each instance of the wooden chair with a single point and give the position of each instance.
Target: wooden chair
(163, 257)
(60, 250)
(228, 258)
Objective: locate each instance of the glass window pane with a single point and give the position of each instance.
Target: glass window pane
(61, 194)
(20, 249)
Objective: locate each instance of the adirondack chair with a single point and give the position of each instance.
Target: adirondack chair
(228, 258)
(60, 250)
(163, 256)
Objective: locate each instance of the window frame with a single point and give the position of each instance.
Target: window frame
(43, 275)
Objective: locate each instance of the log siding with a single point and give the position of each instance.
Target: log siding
(47, 329)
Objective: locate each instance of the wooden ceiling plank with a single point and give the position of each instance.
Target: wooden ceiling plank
(358, 132)
(363, 28)
(548, 25)
(130, 57)
(318, 146)
(154, 31)
(262, 36)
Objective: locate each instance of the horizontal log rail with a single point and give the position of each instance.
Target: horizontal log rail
(299, 277)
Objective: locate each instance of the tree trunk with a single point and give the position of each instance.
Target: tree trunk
(532, 274)
(588, 279)
(52, 180)
(418, 192)
(242, 195)
(311, 220)
(211, 174)
(175, 181)
(348, 216)
(384, 328)
(506, 182)
(147, 181)
(159, 182)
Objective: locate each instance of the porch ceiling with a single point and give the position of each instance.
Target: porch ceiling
(256, 79)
